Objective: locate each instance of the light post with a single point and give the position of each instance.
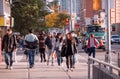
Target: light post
(70, 27)
(108, 41)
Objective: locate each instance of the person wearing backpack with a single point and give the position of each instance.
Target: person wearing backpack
(9, 44)
(31, 44)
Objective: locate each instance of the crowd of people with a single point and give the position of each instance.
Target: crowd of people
(46, 45)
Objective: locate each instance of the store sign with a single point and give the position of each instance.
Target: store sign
(1, 21)
(5, 21)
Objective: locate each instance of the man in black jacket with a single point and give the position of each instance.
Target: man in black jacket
(9, 44)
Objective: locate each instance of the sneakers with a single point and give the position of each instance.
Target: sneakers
(62, 65)
(11, 67)
(31, 66)
(69, 69)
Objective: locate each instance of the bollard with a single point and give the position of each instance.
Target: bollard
(119, 63)
(107, 57)
(89, 68)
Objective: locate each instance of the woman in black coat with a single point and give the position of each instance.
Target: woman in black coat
(69, 51)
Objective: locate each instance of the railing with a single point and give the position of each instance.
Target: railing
(100, 63)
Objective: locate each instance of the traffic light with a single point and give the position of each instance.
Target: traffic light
(96, 4)
(67, 21)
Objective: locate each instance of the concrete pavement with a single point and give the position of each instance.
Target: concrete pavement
(42, 71)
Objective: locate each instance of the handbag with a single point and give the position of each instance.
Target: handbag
(54, 55)
(63, 51)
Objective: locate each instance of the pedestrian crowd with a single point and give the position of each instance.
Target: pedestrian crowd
(49, 46)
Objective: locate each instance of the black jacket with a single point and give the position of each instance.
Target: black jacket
(48, 42)
(9, 43)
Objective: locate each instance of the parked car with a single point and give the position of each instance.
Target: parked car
(115, 39)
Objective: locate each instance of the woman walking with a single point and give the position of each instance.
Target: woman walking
(58, 47)
(69, 51)
(42, 46)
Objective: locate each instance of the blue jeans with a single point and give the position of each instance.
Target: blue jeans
(74, 59)
(92, 51)
(31, 55)
(7, 57)
(59, 58)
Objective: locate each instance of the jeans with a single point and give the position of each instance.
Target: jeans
(92, 51)
(74, 59)
(49, 54)
(59, 58)
(8, 58)
(31, 55)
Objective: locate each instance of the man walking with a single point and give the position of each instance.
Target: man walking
(9, 45)
(48, 43)
(92, 44)
(31, 43)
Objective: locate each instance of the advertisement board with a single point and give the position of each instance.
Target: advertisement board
(5, 21)
(1, 21)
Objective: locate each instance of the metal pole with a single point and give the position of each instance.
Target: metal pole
(70, 28)
(89, 68)
(108, 41)
(45, 15)
(119, 62)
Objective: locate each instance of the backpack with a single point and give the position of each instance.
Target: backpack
(31, 45)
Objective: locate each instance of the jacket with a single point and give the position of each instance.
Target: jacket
(95, 43)
(48, 42)
(9, 43)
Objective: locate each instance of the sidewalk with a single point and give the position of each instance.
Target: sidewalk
(42, 71)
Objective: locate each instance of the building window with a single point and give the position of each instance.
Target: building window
(113, 28)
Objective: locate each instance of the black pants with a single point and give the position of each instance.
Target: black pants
(69, 61)
(92, 51)
(42, 54)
